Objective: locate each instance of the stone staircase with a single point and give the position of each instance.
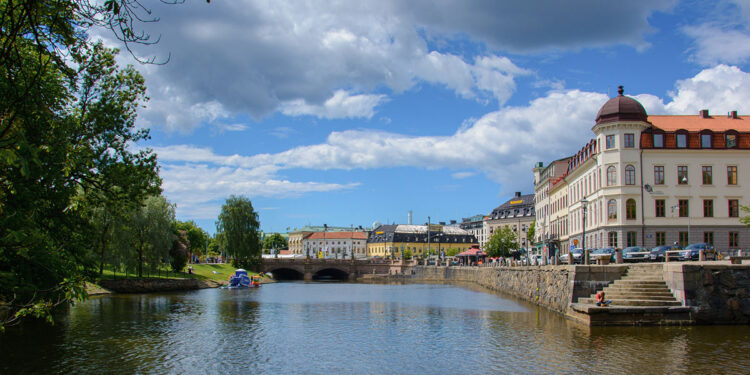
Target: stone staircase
(642, 285)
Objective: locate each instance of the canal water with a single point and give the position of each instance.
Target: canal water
(342, 328)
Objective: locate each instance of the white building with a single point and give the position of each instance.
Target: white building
(653, 180)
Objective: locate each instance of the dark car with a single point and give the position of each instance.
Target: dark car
(603, 252)
(635, 254)
(692, 252)
(658, 253)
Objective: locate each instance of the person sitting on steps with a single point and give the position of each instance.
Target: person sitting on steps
(600, 300)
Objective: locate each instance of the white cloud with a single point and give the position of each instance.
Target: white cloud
(340, 59)
(724, 36)
(340, 105)
(462, 175)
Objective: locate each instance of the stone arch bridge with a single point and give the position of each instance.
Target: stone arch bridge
(338, 269)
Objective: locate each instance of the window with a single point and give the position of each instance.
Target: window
(659, 175)
(708, 208)
(681, 140)
(732, 175)
(682, 175)
(708, 237)
(610, 141)
(684, 207)
(661, 238)
(629, 175)
(708, 178)
(684, 240)
(660, 208)
(612, 209)
(734, 239)
(705, 140)
(611, 175)
(734, 208)
(630, 210)
(658, 140)
(731, 140)
(630, 238)
(612, 239)
(629, 140)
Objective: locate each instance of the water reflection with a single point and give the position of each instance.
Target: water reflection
(355, 328)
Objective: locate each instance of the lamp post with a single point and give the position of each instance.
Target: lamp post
(584, 202)
(325, 245)
(685, 181)
(428, 236)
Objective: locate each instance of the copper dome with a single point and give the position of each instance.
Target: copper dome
(621, 108)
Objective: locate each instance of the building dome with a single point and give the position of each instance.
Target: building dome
(621, 108)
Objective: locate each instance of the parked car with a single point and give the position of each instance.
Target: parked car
(536, 260)
(603, 252)
(658, 253)
(692, 252)
(635, 254)
(577, 257)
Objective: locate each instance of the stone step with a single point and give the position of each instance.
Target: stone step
(614, 289)
(633, 302)
(643, 278)
(639, 283)
(638, 296)
(639, 286)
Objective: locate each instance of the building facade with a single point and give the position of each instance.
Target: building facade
(653, 180)
(475, 225)
(340, 245)
(390, 241)
(517, 213)
(296, 237)
(544, 178)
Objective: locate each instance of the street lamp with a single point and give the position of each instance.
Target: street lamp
(584, 202)
(325, 244)
(685, 181)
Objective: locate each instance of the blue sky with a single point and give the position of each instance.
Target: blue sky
(352, 112)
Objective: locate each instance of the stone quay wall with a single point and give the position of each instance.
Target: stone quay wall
(719, 293)
(154, 285)
(554, 287)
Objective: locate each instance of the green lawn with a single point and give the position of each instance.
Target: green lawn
(215, 272)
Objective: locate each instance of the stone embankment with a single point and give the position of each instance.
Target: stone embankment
(155, 285)
(706, 292)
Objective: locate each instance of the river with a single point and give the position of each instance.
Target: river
(354, 328)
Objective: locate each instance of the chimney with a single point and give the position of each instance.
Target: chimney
(733, 115)
(704, 113)
(518, 194)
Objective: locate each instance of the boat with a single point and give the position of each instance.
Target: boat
(239, 279)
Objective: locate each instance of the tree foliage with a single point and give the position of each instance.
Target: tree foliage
(67, 124)
(178, 254)
(196, 236)
(238, 228)
(275, 241)
(502, 242)
(745, 219)
(531, 233)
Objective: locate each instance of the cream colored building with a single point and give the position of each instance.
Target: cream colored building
(653, 180)
(518, 214)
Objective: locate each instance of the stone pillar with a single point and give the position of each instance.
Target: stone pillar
(308, 276)
(701, 255)
(618, 256)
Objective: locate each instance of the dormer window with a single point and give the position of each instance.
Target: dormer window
(659, 140)
(731, 140)
(681, 140)
(705, 140)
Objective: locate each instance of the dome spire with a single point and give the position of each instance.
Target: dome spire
(620, 90)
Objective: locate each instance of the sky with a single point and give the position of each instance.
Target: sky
(348, 113)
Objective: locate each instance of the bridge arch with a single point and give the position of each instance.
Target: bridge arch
(331, 273)
(287, 274)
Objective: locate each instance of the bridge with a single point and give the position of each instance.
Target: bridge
(336, 269)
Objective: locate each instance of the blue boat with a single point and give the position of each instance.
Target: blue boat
(239, 279)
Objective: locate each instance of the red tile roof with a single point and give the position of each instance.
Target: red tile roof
(338, 235)
(698, 123)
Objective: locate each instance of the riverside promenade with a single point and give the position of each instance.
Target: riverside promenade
(696, 292)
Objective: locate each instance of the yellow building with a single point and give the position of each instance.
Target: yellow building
(388, 241)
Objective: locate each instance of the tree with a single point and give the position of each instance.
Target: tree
(275, 241)
(453, 251)
(501, 243)
(178, 254)
(531, 233)
(407, 254)
(153, 233)
(745, 219)
(196, 236)
(65, 149)
(238, 228)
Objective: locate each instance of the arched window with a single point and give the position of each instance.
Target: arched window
(630, 209)
(629, 175)
(612, 209)
(611, 175)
